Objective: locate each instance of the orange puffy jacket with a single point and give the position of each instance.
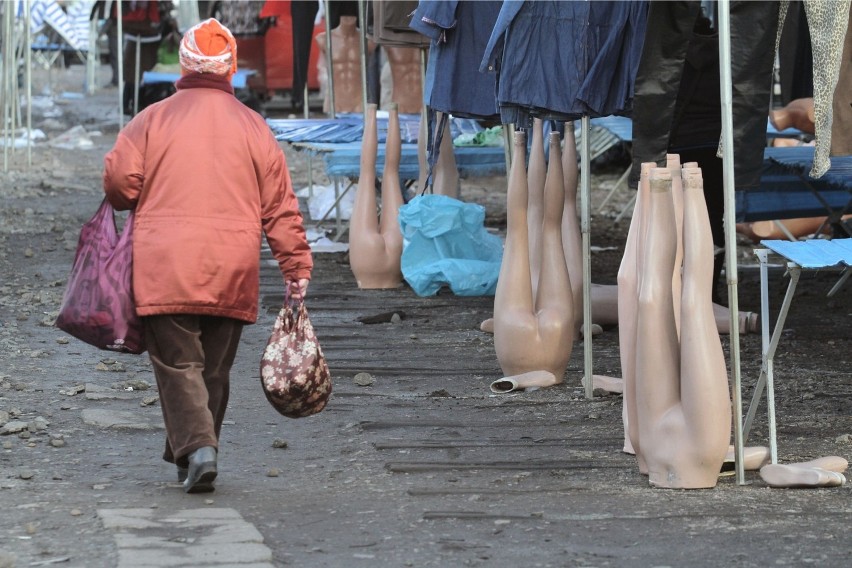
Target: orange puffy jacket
(206, 176)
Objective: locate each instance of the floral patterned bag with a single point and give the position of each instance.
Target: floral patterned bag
(293, 371)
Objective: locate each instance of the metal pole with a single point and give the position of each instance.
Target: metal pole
(585, 229)
(362, 17)
(136, 75)
(332, 112)
(8, 10)
(422, 145)
(91, 54)
(120, 55)
(730, 226)
(507, 146)
(307, 112)
(17, 118)
(28, 74)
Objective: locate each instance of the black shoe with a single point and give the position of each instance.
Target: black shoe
(182, 473)
(202, 471)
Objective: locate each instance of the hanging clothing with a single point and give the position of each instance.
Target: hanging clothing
(242, 18)
(390, 25)
(795, 57)
(827, 20)
(459, 32)
(565, 60)
(302, 16)
(841, 127)
(754, 27)
(697, 127)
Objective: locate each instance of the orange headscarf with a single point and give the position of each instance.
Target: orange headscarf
(209, 47)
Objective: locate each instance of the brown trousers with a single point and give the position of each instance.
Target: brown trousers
(192, 357)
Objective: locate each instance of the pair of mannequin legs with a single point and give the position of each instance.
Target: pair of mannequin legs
(675, 380)
(605, 298)
(375, 246)
(534, 322)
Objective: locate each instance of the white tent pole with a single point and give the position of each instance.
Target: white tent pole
(730, 227)
(362, 17)
(332, 113)
(28, 74)
(120, 55)
(137, 73)
(91, 54)
(585, 229)
(8, 74)
(17, 118)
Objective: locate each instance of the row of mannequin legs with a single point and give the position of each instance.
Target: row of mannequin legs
(677, 409)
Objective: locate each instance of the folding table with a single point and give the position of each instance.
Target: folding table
(814, 254)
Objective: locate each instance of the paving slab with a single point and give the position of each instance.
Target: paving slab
(149, 538)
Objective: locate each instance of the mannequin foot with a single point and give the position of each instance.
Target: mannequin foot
(608, 384)
(777, 475)
(487, 326)
(830, 463)
(754, 458)
(749, 322)
(525, 381)
(596, 330)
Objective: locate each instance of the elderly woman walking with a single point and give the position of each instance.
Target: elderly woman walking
(206, 177)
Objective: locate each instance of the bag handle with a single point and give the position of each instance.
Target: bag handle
(106, 210)
(290, 301)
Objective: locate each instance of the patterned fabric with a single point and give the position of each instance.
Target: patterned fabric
(293, 371)
(98, 306)
(209, 47)
(242, 18)
(827, 20)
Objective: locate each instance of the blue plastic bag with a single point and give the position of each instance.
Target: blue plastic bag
(445, 243)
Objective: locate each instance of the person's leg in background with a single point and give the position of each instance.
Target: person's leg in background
(147, 60)
(302, 13)
(111, 31)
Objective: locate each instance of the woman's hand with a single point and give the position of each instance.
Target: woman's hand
(298, 290)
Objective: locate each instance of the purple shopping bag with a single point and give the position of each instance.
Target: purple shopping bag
(98, 305)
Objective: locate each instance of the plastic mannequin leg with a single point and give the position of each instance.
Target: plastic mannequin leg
(374, 248)
(608, 384)
(533, 333)
(755, 457)
(525, 381)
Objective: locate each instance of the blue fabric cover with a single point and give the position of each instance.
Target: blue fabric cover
(445, 243)
(814, 253)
